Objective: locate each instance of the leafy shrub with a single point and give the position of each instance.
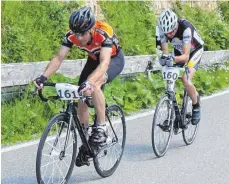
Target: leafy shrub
(25, 119)
(33, 31)
(211, 27)
(134, 24)
(224, 9)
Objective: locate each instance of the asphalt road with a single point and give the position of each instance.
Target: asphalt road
(206, 161)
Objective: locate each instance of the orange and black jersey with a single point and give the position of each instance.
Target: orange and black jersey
(102, 36)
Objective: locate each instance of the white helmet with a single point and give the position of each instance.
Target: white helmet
(167, 21)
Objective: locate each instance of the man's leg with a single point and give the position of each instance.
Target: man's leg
(115, 68)
(191, 90)
(193, 63)
(99, 133)
(98, 100)
(83, 113)
(82, 109)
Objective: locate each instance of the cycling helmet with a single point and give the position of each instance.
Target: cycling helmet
(167, 21)
(82, 20)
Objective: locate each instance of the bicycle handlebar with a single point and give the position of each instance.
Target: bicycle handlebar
(182, 69)
(40, 94)
(51, 84)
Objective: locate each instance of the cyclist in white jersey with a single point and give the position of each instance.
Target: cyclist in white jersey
(188, 49)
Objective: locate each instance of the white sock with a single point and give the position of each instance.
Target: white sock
(102, 125)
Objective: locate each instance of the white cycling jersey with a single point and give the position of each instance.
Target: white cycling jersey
(186, 33)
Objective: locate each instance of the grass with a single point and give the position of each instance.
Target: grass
(26, 117)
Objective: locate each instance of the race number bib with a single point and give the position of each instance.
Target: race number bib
(171, 74)
(67, 91)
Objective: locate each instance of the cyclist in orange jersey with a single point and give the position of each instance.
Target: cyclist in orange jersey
(105, 62)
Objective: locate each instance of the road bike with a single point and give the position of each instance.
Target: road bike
(169, 118)
(58, 146)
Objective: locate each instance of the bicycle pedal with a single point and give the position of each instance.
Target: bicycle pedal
(176, 131)
(82, 160)
(188, 115)
(164, 128)
(184, 127)
(82, 157)
(80, 163)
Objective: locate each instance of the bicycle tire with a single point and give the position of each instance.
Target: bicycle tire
(117, 112)
(190, 133)
(156, 126)
(59, 121)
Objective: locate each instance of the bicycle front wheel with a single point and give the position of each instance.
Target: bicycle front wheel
(54, 164)
(190, 133)
(109, 157)
(162, 126)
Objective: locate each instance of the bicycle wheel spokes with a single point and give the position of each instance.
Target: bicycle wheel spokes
(189, 134)
(54, 164)
(109, 157)
(161, 129)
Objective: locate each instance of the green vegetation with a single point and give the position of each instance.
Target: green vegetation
(134, 24)
(25, 118)
(224, 10)
(211, 26)
(33, 31)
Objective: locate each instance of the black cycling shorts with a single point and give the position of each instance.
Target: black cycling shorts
(115, 68)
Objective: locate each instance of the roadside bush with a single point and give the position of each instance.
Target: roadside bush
(210, 25)
(33, 31)
(134, 24)
(224, 10)
(25, 118)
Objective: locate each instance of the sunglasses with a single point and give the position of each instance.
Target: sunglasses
(81, 34)
(171, 32)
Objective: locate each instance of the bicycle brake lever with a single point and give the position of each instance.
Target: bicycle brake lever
(83, 98)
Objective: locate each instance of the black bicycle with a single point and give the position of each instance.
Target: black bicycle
(57, 150)
(168, 117)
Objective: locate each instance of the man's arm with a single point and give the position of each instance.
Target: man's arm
(185, 54)
(55, 63)
(165, 48)
(105, 57)
(186, 45)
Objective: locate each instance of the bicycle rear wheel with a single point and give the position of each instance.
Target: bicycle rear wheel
(161, 134)
(190, 133)
(109, 157)
(53, 165)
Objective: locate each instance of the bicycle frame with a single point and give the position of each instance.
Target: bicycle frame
(71, 110)
(178, 112)
(170, 86)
